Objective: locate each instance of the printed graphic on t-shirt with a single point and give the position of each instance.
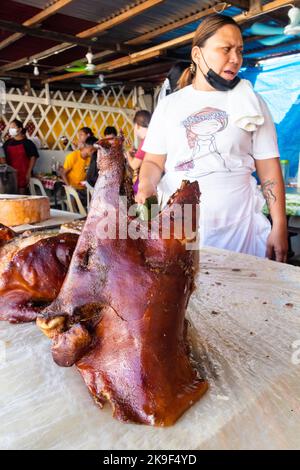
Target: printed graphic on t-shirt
(201, 128)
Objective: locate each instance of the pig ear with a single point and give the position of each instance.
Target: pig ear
(6, 234)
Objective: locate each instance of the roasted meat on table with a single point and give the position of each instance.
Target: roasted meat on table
(32, 270)
(120, 315)
(6, 234)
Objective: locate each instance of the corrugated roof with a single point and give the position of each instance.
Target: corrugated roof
(90, 10)
(80, 15)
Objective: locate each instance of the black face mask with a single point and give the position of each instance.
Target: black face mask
(218, 82)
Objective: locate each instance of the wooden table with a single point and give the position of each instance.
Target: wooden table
(246, 317)
(49, 181)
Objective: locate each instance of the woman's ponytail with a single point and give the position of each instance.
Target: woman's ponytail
(186, 78)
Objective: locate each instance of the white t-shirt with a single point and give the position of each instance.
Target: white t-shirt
(195, 131)
(197, 134)
(36, 141)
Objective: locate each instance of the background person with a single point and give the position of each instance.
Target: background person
(82, 135)
(91, 152)
(135, 157)
(110, 132)
(20, 153)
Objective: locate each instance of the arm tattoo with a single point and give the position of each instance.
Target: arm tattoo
(267, 190)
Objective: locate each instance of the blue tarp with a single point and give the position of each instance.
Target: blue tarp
(278, 82)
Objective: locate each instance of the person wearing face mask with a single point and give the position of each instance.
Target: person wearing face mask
(20, 153)
(216, 130)
(135, 157)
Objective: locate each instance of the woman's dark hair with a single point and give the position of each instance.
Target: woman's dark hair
(110, 130)
(207, 28)
(18, 123)
(175, 73)
(87, 131)
(91, 140)
(142, 118)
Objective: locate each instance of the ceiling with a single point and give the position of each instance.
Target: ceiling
(134, 42)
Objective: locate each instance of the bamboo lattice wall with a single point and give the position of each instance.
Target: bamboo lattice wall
(55, 114)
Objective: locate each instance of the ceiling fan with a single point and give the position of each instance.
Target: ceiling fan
(275, 34)
(99, 84)
(81, 66)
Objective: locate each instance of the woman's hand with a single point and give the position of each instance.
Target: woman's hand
(277, 243)
(145, 189)
(150, 174)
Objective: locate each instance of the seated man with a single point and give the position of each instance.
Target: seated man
(73, 172)
(75, 167)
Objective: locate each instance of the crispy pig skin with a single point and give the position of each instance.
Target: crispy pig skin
(6, 234)
(129, 296)
(32, 270)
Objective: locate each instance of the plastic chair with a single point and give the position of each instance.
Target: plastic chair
(89, 193)
(73, 201)
(37, 189)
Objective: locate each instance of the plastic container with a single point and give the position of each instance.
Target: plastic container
(285, 170)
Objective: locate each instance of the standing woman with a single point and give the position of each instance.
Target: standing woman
(82, 135)
(20, 153)
(216, 130)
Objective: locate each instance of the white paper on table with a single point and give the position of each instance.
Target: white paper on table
(246, 320)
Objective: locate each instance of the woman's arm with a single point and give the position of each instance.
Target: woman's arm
(32, 161)
(270, 175)
(150, 174)
(65, 169)
(133, 162)
(63, 173)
